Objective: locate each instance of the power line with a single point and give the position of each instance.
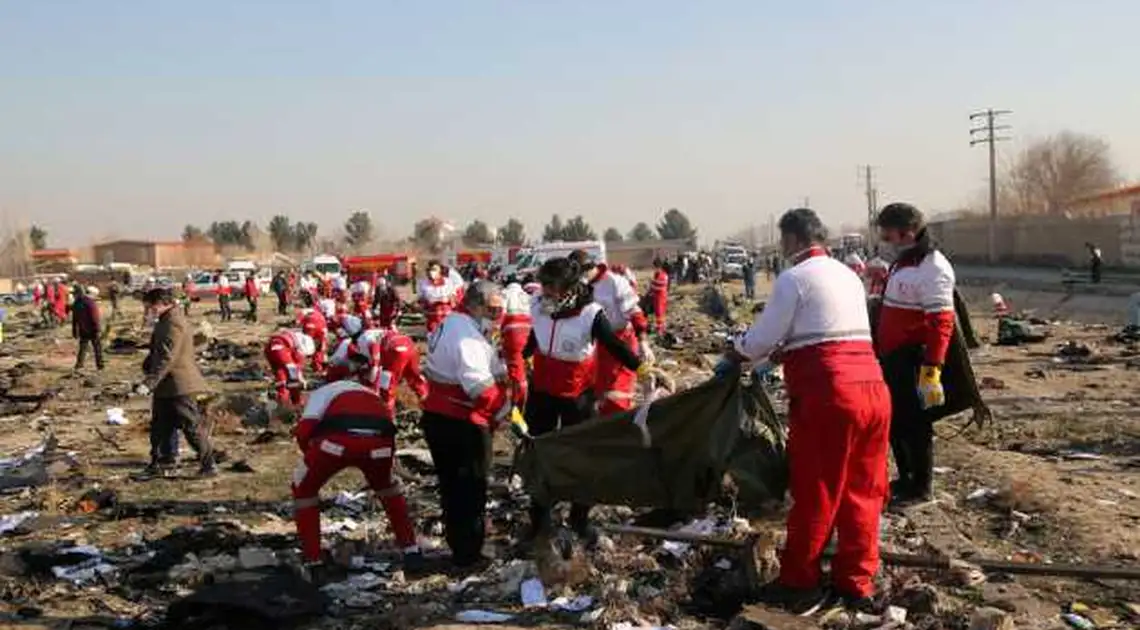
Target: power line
(868, 176)
(987, 134)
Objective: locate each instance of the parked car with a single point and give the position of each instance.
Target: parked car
(16, 299)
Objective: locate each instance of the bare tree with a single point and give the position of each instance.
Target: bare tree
(1053, 172)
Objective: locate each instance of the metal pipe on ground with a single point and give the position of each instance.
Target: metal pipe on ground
(988, 565)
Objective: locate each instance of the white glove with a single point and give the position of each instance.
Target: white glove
(645, 352)
(142, 390)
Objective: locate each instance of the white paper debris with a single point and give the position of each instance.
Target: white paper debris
(482, 616)
(116, 416)
(9, 522)
(459, 587)
(532, 593)
(896, 614)
(577, 604)
(981, 493)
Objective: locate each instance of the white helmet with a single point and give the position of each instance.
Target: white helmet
(306, 344)
(351, 325)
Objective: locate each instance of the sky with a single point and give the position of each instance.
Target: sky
(131, 119)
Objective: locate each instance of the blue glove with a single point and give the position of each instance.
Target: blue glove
(725, 368)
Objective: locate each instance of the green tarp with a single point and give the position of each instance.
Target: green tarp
(692, 439)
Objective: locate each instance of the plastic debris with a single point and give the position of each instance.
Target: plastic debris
(482, 616)
(117, 417)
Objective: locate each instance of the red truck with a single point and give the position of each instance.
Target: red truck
(401, 267)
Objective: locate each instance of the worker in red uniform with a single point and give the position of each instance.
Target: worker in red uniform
(313, 324)
(659, 293)
(47, 311)
(346, 425)
(286, 352)
(614, 383)
(361, 296)
(37, 294)
(916, 323)
(566, 325)
(438, 293)
(816, 320)
(514, 330)
(252, 293)
(389, 358)
(875, 277)
(325, 287)
(60, 304)
(467, 398)
(385, 303)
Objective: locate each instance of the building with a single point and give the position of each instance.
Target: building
(1118, 201)
(640, 254)
(157, 254)
(53, 260)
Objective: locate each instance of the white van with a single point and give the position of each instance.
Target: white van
(529, 261)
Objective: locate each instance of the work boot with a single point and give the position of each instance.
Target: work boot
(154, 470)
(857, 603)
(798, 601)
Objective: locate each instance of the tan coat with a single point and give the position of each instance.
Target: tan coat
(170, 368)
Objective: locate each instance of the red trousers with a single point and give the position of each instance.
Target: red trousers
(327, 455)
(837, 455)
(286, 376)
(659, 301)
(320, 346)
(614, 383)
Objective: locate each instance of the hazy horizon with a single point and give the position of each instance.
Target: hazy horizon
(131, 119)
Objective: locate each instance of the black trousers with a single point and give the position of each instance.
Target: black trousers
(96, 346)
(912, 431)
(461, 452)
(282, 303)
(224, 307)
(252, 314)
(1094, 272)
(168, 417)
(546, 413)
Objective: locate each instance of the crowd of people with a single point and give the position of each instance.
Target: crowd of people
(539, 354)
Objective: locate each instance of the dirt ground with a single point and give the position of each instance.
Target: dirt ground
(1054, 479)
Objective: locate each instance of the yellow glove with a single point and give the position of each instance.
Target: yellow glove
(644, 371)
(930, 392)
(518, 424)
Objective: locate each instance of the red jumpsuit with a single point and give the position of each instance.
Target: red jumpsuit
(346, 425)
(437, 297)
(37, 295)
(514, 330)
(326, 288)
(839, 412)
(392, 358)
(313, 324)
(360, 308)
(659, 290)
(286, 363)
(614, 383)
(59, 304)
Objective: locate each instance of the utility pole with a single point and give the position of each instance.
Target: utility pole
(987, 134)
(872, 193)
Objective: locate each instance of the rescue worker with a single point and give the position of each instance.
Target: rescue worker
(916, 324)
(346, 425)
(37, 294)
(614, 382)
(61, 303)
(437, 294)
(85, 327)
(389, 358)
(309, 287)
(313, 324)
(466, 400)
(325, 287)
(627, 273)
(361, 292)
(876, 274)
(514, 331)
(659, 293)
(816, 323)
(225, 292)
(286, 352)
(340, 288)
(385, 303)
(567, 323)
(854, 262)
(172, 377)
(47, 312)
(251, 294)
